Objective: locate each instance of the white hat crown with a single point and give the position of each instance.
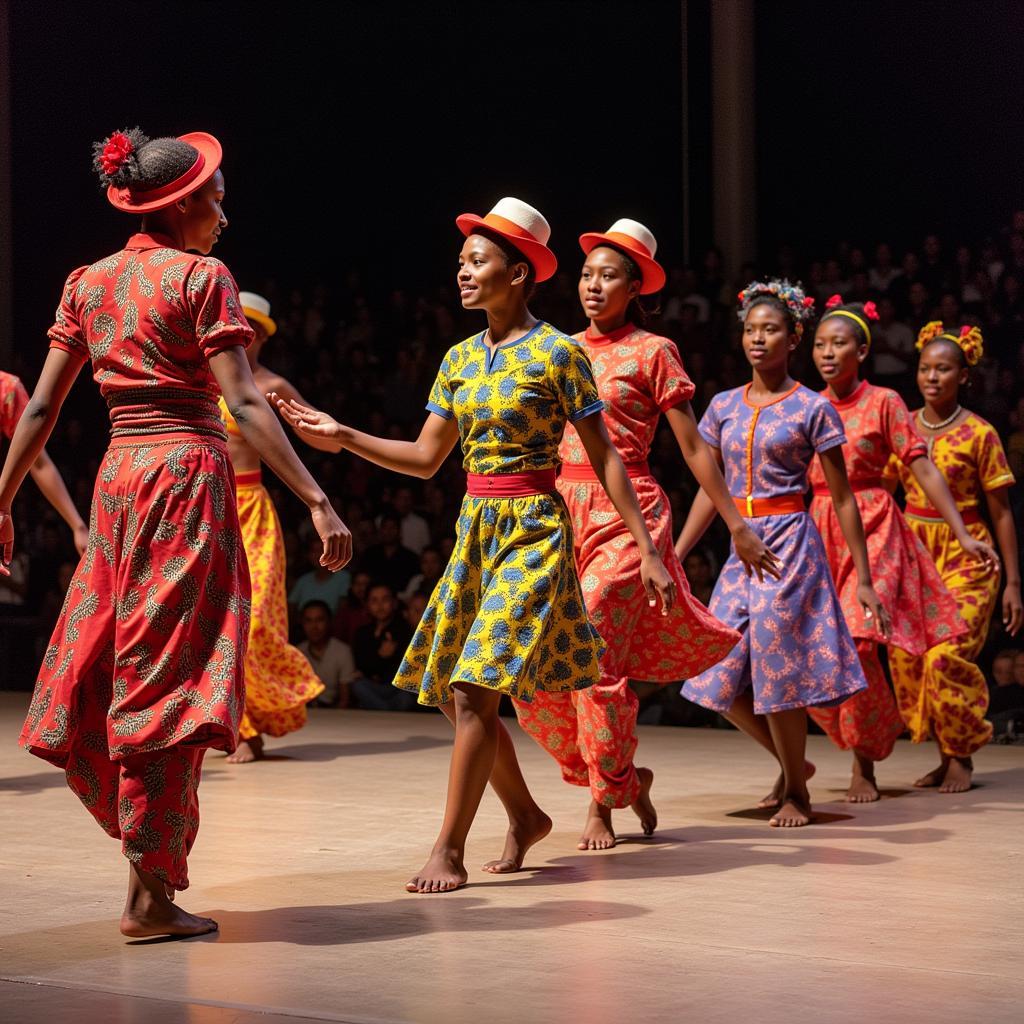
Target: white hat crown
(258, 304)
(635, 230)
(524, 216)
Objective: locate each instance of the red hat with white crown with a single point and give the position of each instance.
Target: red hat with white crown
(521, 226)
(639, 244)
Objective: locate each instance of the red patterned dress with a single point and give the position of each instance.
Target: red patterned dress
(13, 399)
(923, 612)
(144, 669)
(592, 732)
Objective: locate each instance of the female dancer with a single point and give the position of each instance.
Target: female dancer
(796, 651)
(279, 681)
(923, 612)
(508, 616)
(592, 732)
(144, 670)
(13, 400)
(942, 693)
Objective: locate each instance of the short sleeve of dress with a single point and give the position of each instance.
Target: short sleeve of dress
(572, 377)
(710, 425)
(670, 386)
(13, 399)
(902, 439)
(66, 332)
(825, 426)
(212, 298)
(993, 467)
(441, 399)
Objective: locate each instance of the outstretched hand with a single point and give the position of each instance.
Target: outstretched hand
(755, 555)
(658, 583)
(874, 611)
(335, 536)
(6, 541)
(305, 420)
(1013, 609)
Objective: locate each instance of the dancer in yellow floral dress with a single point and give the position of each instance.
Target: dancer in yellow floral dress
(508, 615)
(943, 694)
(279, 681)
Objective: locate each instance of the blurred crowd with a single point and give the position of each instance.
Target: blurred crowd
(369, 359)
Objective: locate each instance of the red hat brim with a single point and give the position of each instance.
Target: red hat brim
(210, 156)
(652, 274)
(539, 256)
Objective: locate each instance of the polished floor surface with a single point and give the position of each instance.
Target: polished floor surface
(906, 910)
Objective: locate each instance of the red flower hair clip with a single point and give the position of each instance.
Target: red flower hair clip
(870, 310)
(808, 302)
(115, 153)
(833, 301)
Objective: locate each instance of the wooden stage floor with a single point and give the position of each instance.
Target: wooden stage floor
(906, 910)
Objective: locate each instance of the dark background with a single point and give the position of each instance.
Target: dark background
(354, 134)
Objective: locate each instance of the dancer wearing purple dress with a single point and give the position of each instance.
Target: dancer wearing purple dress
(796, 650)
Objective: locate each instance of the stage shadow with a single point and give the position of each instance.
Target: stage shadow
(370, 748)
(35, 783)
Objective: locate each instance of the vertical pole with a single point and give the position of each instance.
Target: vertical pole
(732, 130)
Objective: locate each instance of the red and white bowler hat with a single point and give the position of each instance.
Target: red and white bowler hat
(521, 226)
(638, 242)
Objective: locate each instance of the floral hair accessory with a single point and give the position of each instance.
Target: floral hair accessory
(799, 306)
(833, 301)
(969, 340)
(870, 310)
(116, 157)
(116, 151)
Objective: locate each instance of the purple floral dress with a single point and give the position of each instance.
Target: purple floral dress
(796, 650)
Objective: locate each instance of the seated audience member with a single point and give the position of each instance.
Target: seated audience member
(379, 648)
(414, 533)
(431, 568)
(318, 584)
(352, 612)
(1006, 693)
(331, 659)
(415, 605)
(388, 561)
(699, 575)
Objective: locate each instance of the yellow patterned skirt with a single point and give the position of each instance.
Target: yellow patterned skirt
(508, 613)
(279, 681)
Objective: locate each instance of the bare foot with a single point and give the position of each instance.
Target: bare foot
(598, 833)
(863, 788)
(958, 775)
(443, 872)
(247, 751)
(934, 778)
(774, 798)
(147, 918)
(520, 837)
(642, 806)
(795, 812)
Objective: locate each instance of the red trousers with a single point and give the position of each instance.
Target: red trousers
(869, 722)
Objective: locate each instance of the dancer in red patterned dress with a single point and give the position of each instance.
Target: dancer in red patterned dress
(592, 732)
(924, 614)
(144, 670)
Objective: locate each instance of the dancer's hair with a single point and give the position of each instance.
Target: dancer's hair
(858, 315)
(637, 311)
(512, 255)
(129, 159)
(968, 342)
(780, 294)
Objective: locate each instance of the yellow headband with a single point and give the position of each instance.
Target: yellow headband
(853, 316)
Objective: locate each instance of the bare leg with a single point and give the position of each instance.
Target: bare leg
(598, 833)
(937, 775)
(958, 775)
(863, 788)
(789, 731)
(247, 751)
(148, 911)
(642, 806)
(527, 823)
(743, 716)
(473, 756)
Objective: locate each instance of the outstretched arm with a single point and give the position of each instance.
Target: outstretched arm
(612, 474)
(260, 427)
(755, 555)
(422, 457)
(51, 483)
(33, 430)
(286, 390)
(1006, 537)
(853, 531)
(702, 515)
(934, 485)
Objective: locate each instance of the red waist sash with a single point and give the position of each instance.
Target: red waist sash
(930, 515)
(757, 508)
(583, 472)
(253, 479)
(510, 485)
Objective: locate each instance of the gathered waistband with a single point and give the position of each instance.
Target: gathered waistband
(510, 485)
(251, 479)
(168, 438)
(757, 508)
(583, 472)
(930, 515)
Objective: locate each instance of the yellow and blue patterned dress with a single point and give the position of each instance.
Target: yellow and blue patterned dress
(508, 613)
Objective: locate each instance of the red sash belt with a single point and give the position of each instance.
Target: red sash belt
(822, 491)
(929, 515)
(756, 508)
(583, 472)
(510, 485)
(253, 479)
